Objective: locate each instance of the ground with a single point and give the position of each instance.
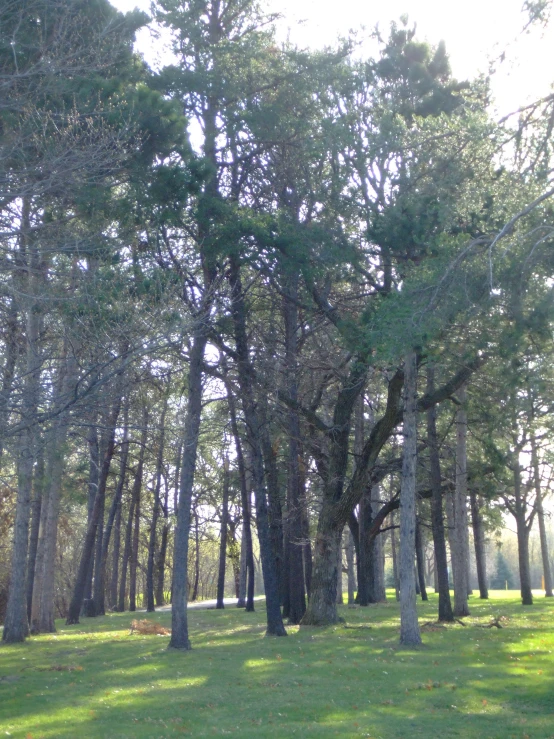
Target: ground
(97, 680)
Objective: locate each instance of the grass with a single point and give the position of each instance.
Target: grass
(97, 680)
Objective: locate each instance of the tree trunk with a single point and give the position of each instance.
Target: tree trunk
(522, 536)
(196, 582)
(179, 622)
(350, 567)
(136, 496)
(38, 486)
(409, 628)
(254, 434)
(394, 553)
(76, 603)
(126, 557)
(437, 520)
(93, 480)
(16, 625)
(150, 605)
(420, 561)
(295, 494)
(245, 502)
(547, 573)
(114, 513)
(366, 552)
(479, 543)
(98, 607)
(460, 554)
(223, 536)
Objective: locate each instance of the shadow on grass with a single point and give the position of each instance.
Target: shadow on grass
(466, 682)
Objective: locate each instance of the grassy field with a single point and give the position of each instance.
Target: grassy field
(98, 680)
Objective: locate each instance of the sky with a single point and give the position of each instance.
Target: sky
(475, 32)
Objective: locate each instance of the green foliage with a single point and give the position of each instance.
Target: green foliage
(503, 577)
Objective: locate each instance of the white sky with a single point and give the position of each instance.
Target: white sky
(474, 31)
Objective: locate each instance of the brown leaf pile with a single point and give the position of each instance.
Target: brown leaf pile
(148, 627)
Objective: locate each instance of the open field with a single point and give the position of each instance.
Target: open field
(98, 680)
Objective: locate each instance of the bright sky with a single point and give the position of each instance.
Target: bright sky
(474, 31)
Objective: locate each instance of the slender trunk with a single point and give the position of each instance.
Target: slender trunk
(295, 493)
(350, 567)
(93, 479)
(547, 572)
(420, 560)
(223, 536)
(114, 513)
(150, 606)
(437, 520)
(479, 543)
(522, 536)
(11, 352)
(16, 625)
(409, 628)
(366, 552)
(254, 433)
(116, 552)
(46, 618)
(394, 553)
(99, 595)
(136, 496)
(179, 622)
(38, 486)
(241, 584)
(460, 554)
(126, 556)
(88, 547)
(274, 503)
(196, 582)
(246, 518)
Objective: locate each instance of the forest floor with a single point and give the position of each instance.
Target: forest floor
(98, 680)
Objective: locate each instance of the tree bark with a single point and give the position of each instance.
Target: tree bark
(522, 535)
(223, 536)
(547, 572)
(136, 497)
(437, 519)
(126, 556)
(38, 486)
(409, 628)
(479, 544)
(179, 622)
(350, 567)
(76, 603)
(16, 625)
(150, 605)
(420, 561)
(254, 433)
(460, 558)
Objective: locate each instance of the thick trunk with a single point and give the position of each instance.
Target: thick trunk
(409, 628)
(460, 554)
(547, 572)
(223, 536)
(479, 544)
(437, 519)
(254, 433)
(179, 622)
(420, 561)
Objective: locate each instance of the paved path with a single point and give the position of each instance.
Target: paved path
(208, 604)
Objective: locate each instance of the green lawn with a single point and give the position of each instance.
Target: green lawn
(97, 680)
